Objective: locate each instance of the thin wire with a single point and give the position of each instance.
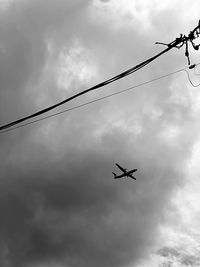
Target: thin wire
(117, 77)
(99, 99)
(178, 43)
(194, 85)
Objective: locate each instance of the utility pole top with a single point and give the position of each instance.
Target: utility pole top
(184, 40)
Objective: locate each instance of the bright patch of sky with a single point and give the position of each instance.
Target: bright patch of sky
(128, 13)
(65, 72)
(180, 235)
(76, 66)
(4, 4)
(185, 96)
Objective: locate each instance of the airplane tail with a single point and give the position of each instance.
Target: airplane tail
(114, 175)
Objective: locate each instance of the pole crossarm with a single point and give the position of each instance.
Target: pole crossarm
(184, 40)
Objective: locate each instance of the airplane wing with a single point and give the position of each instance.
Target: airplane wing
(131, 176)
(122, 169)
(132, 171)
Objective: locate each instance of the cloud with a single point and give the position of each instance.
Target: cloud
(59, 202)
(182, 259)
(63, 209)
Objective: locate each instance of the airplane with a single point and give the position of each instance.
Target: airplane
(125, 173)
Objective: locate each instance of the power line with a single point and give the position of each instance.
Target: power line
(177, 43)
(123, 74)
(102, 98)
(194, 85)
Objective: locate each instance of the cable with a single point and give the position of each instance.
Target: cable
(99, 99)
(119, 76)
(194, 85)
(194, 68)
(177, 43)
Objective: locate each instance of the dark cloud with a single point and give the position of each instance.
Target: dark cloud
(175, 255)
(104, 1)
(71, 210)
(166, 252)
(65, 212)
(25, 30)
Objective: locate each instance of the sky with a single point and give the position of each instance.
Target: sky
(60, 206)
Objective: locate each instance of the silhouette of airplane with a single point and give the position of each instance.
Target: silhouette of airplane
(125, 173)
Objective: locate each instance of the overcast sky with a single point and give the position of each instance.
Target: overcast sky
(59, 204)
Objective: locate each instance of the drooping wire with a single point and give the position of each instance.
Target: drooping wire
(100, 98)
(194, 85)
(194, 68)
(177, 43)
(119, 76)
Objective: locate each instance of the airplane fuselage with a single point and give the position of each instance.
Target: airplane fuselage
(126, 174)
